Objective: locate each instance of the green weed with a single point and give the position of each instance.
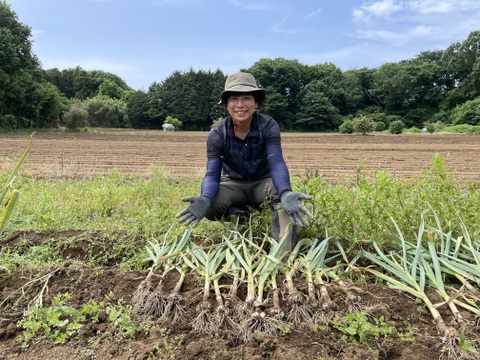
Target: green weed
(59, 322)
(357, 327)
(168, 347)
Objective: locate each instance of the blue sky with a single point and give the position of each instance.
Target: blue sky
(145, 41)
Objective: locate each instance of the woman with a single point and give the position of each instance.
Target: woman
(245, 165)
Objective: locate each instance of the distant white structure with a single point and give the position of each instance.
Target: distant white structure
(168, 127)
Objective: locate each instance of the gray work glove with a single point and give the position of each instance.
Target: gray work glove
(292, 204)
(195, 212)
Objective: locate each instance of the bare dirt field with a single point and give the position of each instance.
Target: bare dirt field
(331, 155)
(137, 152)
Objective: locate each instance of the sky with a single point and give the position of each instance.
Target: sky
(145, 41)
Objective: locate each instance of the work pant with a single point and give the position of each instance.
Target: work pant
(239, 194)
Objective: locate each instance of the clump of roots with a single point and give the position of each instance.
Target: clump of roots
(141, 295)
(353, 296)
(234, 307)
(224, 319)
(300, 309)
(155, 303)
(259, 322)
(204, 322)
(174, 310)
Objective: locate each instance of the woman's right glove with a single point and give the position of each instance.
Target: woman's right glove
(292, 204)
(196, 211)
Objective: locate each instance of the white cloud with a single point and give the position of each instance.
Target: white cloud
(181, 2)
(402, 22)
(431, 6)
(382, 8)
(360, 16)
(423, 30)
(280, 28)
(377, 9)
(313, 14)
(443, 6)
(396, 36)
(252, 5)
(379, 35)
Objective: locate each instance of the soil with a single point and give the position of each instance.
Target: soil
(130, 152)
(332, 156)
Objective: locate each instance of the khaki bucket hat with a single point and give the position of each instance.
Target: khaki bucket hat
(242, 82)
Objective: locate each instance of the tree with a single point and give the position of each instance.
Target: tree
(174, 121)
(105, 112)
(191, 96)
(110, 89)
(317, 113)
(63, 80)
(16, 48)
(285, 78)
(82, 84)
(26, 99)
(410, 89)
(461, 62)
(51, 105)
(275, 104)
(137, 111)
(361, 90)
(363, 124)
(467, 113)
(330, 80)
(346, 127)
(76, 117)
(396, 127)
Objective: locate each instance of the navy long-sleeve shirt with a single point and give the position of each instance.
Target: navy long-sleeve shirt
(257, 157)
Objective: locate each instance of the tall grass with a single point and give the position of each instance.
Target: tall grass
(360, 209)
(353, 211)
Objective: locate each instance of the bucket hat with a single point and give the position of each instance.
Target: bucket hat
(242, 82)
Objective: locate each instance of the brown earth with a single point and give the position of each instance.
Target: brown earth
(332, 155)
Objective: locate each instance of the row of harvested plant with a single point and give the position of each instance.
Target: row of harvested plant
(251, 285)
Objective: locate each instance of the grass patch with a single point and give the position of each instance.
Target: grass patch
(131, 210)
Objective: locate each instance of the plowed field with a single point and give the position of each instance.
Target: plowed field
(331, 155)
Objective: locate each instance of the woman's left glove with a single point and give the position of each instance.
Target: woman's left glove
(292, 204)
(196, 211)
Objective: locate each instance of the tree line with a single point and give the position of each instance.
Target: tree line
(435, 87)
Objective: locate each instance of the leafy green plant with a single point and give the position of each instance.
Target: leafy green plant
(468, 347)
(356, 326)
(32, 256)
(396, 127)
(169, 346)
(346, 127)
(174, 121)
(409, 335)
(363, 124)
(59, 322)
(76, 117)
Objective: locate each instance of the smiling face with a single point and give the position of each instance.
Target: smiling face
(241, 108)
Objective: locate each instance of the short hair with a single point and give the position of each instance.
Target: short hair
(258, 96)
